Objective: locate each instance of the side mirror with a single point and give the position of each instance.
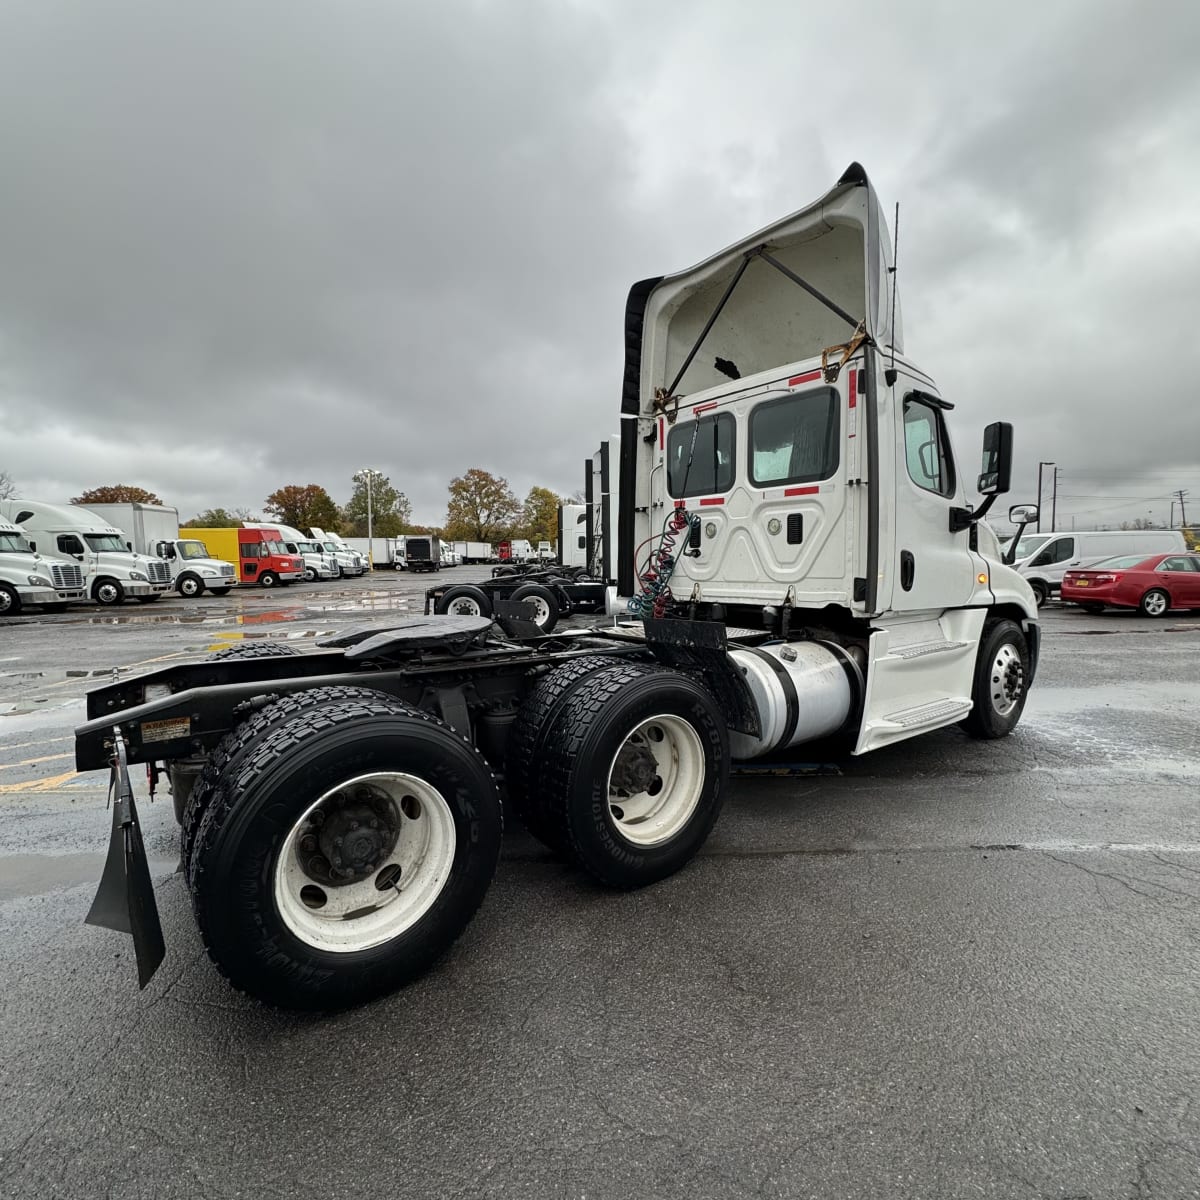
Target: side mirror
(1023, 514)
(996, 468)
(33, 545)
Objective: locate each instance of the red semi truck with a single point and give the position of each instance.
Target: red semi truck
(258, 554)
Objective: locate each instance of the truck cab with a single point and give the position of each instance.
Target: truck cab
(194, 569)
(111, 572)
(791, 470)
(349, 561)
(27, 577)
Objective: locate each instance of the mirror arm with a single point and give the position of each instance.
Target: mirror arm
(964, 518)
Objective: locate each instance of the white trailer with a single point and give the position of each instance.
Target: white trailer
(27, 577)
(474, 552)
(111, 572)
(153, 529)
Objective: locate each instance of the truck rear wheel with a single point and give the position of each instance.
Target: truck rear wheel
(1001, 681)
(545, 605)
(463, 600)
(634, 773)
(10, 601)
(527, 742)
(353, 846)
(189, 584)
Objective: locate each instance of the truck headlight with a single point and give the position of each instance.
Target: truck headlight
(208, 572)
(39, 581)
(138, 576)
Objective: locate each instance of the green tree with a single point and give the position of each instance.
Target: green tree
(482, 507)
(116, 493)
(303, 506)
(539, 516)
(219, 518)
(391, 510)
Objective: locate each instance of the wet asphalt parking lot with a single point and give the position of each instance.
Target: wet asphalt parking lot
(948, 969)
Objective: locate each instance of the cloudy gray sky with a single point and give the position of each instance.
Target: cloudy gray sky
(246, 243)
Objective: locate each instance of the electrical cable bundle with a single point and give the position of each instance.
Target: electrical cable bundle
(654, 574)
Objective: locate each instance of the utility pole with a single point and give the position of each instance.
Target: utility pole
(1182, 511)
(1054, 504)
(1041, 466)
(367, 473)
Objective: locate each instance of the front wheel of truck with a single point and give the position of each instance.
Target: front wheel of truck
(108, 592)
(10, 601)
(1001, 681)
(268, 579)
(349, 850)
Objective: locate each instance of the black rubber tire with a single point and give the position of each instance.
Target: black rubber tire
(109, 588)
(149, 599)
(310, 575)
(527, 741)
(503, 572)
(600, 712)
(1041, 593)
(269, 579)
(189, 584)
(229, 752)
(464, 591)
(535, 591)
(983, 721)
(10, 601)
(244, 830)
(1146, 598)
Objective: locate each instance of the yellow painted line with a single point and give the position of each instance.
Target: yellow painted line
(37, 785)
(29, 762)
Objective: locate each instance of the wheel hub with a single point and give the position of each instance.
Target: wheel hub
(349, 836)
(635, 770)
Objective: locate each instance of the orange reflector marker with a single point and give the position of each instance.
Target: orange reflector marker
(982, 577)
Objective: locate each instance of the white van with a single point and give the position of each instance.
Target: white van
(1043, 558)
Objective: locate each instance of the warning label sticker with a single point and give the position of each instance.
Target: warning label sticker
(165, 731)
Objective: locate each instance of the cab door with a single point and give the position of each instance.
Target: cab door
(934, 567)
(248, 556)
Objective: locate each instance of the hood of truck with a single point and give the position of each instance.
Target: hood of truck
(114, 561)
(839, 245)
(26, 564)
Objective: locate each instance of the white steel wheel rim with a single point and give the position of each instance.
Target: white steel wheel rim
(1155, 604)
(464, 606)
(1006, 680)
(6, 600)
(652, 817)
(358, 916)
(541, 609)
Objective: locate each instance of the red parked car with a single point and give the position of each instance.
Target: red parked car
(1155, 585)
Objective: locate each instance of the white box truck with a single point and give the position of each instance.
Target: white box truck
(111, 572)
(27, 577)
(153, 529)
(474, 552)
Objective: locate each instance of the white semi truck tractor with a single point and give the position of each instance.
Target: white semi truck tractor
(27, 577)
(798, 558)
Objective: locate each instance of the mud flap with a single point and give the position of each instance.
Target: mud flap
(125, 898)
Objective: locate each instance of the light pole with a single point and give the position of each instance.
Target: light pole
(366, 474)
(1041, 465)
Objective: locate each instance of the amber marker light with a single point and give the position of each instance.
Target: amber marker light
(982, 577)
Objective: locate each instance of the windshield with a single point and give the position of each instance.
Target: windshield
(330, 547)
(193, 550)
(105, 541)
(1126, 561)
(14, 543)
(276, 548)
(1030, 545)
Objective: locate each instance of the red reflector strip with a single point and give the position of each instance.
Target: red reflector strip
(703, 408)
(853, 387)
(804, 491)
(713, 500)
(807, 377)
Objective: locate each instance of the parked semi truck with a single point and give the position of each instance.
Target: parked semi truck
(797, 559)
(258, 555)
(349, 560)
(318, 562)
(111, 572)
(572, 535)
(27, 577)
(423, 552)
(153, 529)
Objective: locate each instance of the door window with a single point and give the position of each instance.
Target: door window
(68, 543)
(1177, 564)
(1058, 551)
(700, 456)
(927, 448)
(794, 439)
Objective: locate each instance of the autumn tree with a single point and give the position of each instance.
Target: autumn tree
(539, 516)
(8, 486)
(219, 518)
(391, 510)
(303, 507)
(482, 507)
(116, 493)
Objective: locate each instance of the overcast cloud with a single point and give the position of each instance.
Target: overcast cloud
(248, 243)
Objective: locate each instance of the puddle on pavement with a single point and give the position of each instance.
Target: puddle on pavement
(39, 874)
